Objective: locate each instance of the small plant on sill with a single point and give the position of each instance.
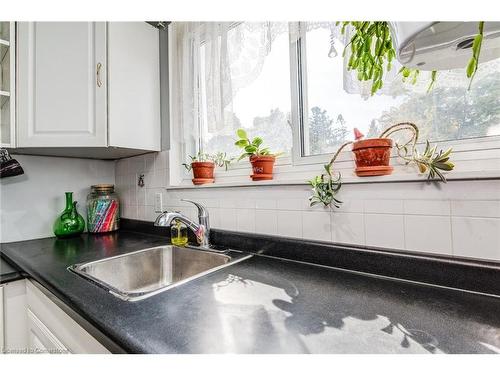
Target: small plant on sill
(262, 158)
(203, 165)
(220, 159)
(326, 186)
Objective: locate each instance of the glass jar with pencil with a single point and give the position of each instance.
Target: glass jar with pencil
(103, 209)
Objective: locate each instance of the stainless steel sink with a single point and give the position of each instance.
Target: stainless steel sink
(144, 273)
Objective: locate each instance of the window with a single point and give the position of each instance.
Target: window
(260, 90)
(337, 102)
(288, 83)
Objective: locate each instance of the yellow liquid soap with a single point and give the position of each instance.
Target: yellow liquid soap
(179, 234)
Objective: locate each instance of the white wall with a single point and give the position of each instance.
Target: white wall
(458, 219)
(30, 203)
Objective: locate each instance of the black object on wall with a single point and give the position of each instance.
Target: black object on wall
(9, 167)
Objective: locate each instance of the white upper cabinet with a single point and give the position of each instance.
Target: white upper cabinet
(7, 84)
(88, 89)
(61, 84)
(134, 85)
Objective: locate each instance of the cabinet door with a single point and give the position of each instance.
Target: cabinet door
(61, 84)
(40, 339)
(51, 328)
(134, 86)
(2, 338)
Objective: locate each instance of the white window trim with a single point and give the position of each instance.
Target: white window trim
(474, 158)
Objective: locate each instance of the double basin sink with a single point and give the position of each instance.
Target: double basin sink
(141, 274)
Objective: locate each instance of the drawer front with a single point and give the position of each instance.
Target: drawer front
(40, 339)
(2, 335)
(65, 333)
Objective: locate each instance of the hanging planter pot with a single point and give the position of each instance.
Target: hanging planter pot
(372, 156)
(262, 167)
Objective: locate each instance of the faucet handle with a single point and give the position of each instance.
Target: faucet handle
(202, 210)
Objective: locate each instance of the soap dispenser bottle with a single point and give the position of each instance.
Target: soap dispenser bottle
(178, 233)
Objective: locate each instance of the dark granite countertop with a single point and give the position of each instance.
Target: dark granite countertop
(8, 273)
(264, 305)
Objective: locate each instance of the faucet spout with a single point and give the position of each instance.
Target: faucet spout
(200, 231)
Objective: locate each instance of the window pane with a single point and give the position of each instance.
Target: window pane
(448, 112)
(260, 79)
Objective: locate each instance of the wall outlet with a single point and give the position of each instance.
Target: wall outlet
(158, 203)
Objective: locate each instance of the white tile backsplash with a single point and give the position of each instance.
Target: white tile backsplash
(427, 207)
(245, 219)
(384, 206)
(266, 221)
(228, 219)
(348, 228)
(289, 224)
(317, 225)
(476, 237)
(430, 234)
(383, 230)
(476, 208)
(460, 218)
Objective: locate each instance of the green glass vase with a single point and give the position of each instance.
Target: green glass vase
(70, 223)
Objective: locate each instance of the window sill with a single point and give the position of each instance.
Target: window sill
(346, 180)
(479, 160)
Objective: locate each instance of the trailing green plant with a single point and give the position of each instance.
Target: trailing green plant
(326, 186)
(252, 147)
(372, 53)
(430, 161)
(476, 51)
(220, 159)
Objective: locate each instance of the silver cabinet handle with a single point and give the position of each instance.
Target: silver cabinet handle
(98, 75)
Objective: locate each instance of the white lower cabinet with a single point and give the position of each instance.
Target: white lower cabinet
(14, 322)
(34, 323)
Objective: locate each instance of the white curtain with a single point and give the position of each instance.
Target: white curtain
(218, 58)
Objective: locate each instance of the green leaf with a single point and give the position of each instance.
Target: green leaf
(241, 143)
(241, 133)
(257, 141)
(250, 149)
(264, 151)
(471, 67)
(243, 156)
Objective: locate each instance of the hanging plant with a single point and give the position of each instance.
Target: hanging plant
(430, 161)
(326, 186)
(372, 53)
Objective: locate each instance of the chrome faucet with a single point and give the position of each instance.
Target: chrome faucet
(201, 230)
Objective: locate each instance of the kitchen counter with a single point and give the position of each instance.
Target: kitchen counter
(264, 305)
(8, 273)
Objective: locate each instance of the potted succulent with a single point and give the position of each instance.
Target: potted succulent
(203, 166)
(261, 158)
(372, 158)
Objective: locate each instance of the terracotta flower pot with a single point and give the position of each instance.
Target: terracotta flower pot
(203, 172)
(262, 167)
(372, 156)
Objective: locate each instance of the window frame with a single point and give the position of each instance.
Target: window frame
(475, 158)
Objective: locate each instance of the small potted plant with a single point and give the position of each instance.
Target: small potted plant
(372, 159)
(372, 155)
(261, 158)
(203, 166)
